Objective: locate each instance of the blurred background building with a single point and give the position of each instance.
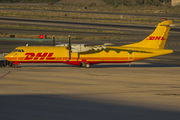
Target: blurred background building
(175, 2)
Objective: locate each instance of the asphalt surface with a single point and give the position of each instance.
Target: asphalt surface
(77, 24)
(103, 92)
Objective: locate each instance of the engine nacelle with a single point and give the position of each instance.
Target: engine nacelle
(80, 48)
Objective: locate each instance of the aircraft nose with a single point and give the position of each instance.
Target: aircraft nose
(7, 57)
(10, 57)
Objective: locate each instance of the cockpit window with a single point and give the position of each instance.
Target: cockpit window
(15, 50)
(18, 50)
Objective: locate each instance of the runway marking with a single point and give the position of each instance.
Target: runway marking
(4, 74)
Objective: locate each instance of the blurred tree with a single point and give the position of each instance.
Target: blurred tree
(28, 1)
(116, 3)
(140, 2)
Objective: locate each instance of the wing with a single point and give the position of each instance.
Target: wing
(93, 45)
(89, 47)
(130, 50)
(78, 48)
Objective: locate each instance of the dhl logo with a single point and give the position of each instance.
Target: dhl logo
(155, 38)
(39, 56)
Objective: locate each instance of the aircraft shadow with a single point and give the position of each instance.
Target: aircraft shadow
(104, 65)
(61, 107)
(135, 65)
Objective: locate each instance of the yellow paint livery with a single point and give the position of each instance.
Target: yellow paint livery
(151, 46)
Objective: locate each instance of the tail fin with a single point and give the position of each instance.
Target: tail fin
(157, 39)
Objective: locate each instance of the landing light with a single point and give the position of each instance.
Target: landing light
(41, 36)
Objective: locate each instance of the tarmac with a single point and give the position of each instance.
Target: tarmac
(105, 91)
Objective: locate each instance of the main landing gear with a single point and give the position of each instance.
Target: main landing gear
(86, 65)
(11, 64)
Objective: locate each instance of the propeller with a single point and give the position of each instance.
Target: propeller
(69, 46)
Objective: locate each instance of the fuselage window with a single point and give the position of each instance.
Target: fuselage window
(22, 50)
(19, 50)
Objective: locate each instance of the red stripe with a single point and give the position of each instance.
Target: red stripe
(73, 61)
(92, 61)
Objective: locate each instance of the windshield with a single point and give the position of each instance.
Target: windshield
(15, 50)
(18, 50)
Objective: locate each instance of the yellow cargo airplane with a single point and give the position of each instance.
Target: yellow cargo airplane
(86, 55)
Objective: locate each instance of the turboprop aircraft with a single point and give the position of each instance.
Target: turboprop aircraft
(86, 55)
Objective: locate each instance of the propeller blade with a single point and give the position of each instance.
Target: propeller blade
(69, 55)
(69, 46)
(53, 40)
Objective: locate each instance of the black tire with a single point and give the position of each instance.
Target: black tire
(15, 66)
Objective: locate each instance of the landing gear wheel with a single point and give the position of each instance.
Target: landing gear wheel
(15, 66)
(87, 65)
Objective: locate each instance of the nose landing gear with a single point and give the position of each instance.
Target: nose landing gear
(11, 64)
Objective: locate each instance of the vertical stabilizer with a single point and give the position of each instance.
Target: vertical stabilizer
(157, 39)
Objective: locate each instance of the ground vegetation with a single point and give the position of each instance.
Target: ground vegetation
(28, 1)
(137, 2)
